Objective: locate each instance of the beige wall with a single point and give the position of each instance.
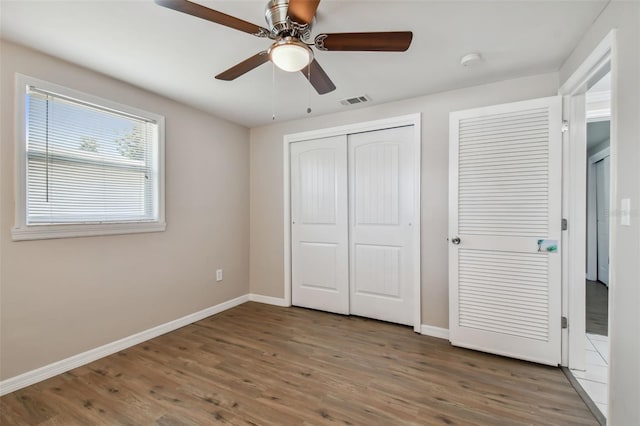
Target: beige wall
(624, 373)
(62, 297)
(267, 246)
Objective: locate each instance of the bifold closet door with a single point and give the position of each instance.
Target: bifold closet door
(381, 204)
(319, 225)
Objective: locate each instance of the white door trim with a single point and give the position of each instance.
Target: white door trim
(574, 195)
(406, 120)
(592, 243)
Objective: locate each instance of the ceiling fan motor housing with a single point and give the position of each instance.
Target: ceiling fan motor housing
(278, 21)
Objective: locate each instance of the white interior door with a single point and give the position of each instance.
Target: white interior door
(319, 225)
(602, 216)
(381, 206)
(505, 229)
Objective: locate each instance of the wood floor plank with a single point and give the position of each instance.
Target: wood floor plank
(265, 365)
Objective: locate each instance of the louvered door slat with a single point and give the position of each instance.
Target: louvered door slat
(504, 195)
(503, 191)
(500, 117)
(497, 309)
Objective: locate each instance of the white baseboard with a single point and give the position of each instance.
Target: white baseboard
(34, 376)
(277, 301)
(429, 330)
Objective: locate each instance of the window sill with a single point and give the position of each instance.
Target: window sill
(45, 232)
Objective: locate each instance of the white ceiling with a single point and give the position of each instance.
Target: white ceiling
(177, 55)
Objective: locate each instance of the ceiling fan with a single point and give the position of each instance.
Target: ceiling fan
(289, 26)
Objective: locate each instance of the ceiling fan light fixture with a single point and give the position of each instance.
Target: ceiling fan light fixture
(290, 54)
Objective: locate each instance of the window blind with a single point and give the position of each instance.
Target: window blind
(88, 164)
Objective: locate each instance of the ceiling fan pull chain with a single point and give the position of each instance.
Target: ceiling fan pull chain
(309, 89)
(273, 91)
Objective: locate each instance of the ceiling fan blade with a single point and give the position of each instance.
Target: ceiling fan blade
(302, 11)
(318, 78)
(244, 66)
(395, 41)
(199, 11)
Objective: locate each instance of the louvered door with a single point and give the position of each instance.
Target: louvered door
(504, 229)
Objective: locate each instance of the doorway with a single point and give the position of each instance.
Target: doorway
(594, 377)
(588, 95)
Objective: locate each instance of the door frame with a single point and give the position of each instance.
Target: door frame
(592, 218)
(574, 191)
(414, 120)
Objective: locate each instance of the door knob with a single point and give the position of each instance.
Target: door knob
(455, 240)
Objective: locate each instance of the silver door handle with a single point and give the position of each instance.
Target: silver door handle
(455, 240)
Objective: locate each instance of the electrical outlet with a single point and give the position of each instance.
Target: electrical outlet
(219, 275)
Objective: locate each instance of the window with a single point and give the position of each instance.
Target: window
(85, 166)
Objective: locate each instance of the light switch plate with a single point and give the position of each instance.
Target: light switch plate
(625, 212)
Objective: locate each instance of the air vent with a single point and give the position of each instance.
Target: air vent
(355, 100)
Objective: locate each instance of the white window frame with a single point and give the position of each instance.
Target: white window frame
(24, 231)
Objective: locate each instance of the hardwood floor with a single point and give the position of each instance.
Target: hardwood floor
(260, 364)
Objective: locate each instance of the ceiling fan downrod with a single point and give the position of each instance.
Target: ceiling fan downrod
(279, 21)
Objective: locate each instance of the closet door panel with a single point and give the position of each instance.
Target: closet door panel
(319, 232)
(381, 180)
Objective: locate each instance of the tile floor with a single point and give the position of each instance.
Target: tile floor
(595, 377)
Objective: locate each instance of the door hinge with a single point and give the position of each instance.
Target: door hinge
(564, 322)
(565, 126)
(565, 224)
